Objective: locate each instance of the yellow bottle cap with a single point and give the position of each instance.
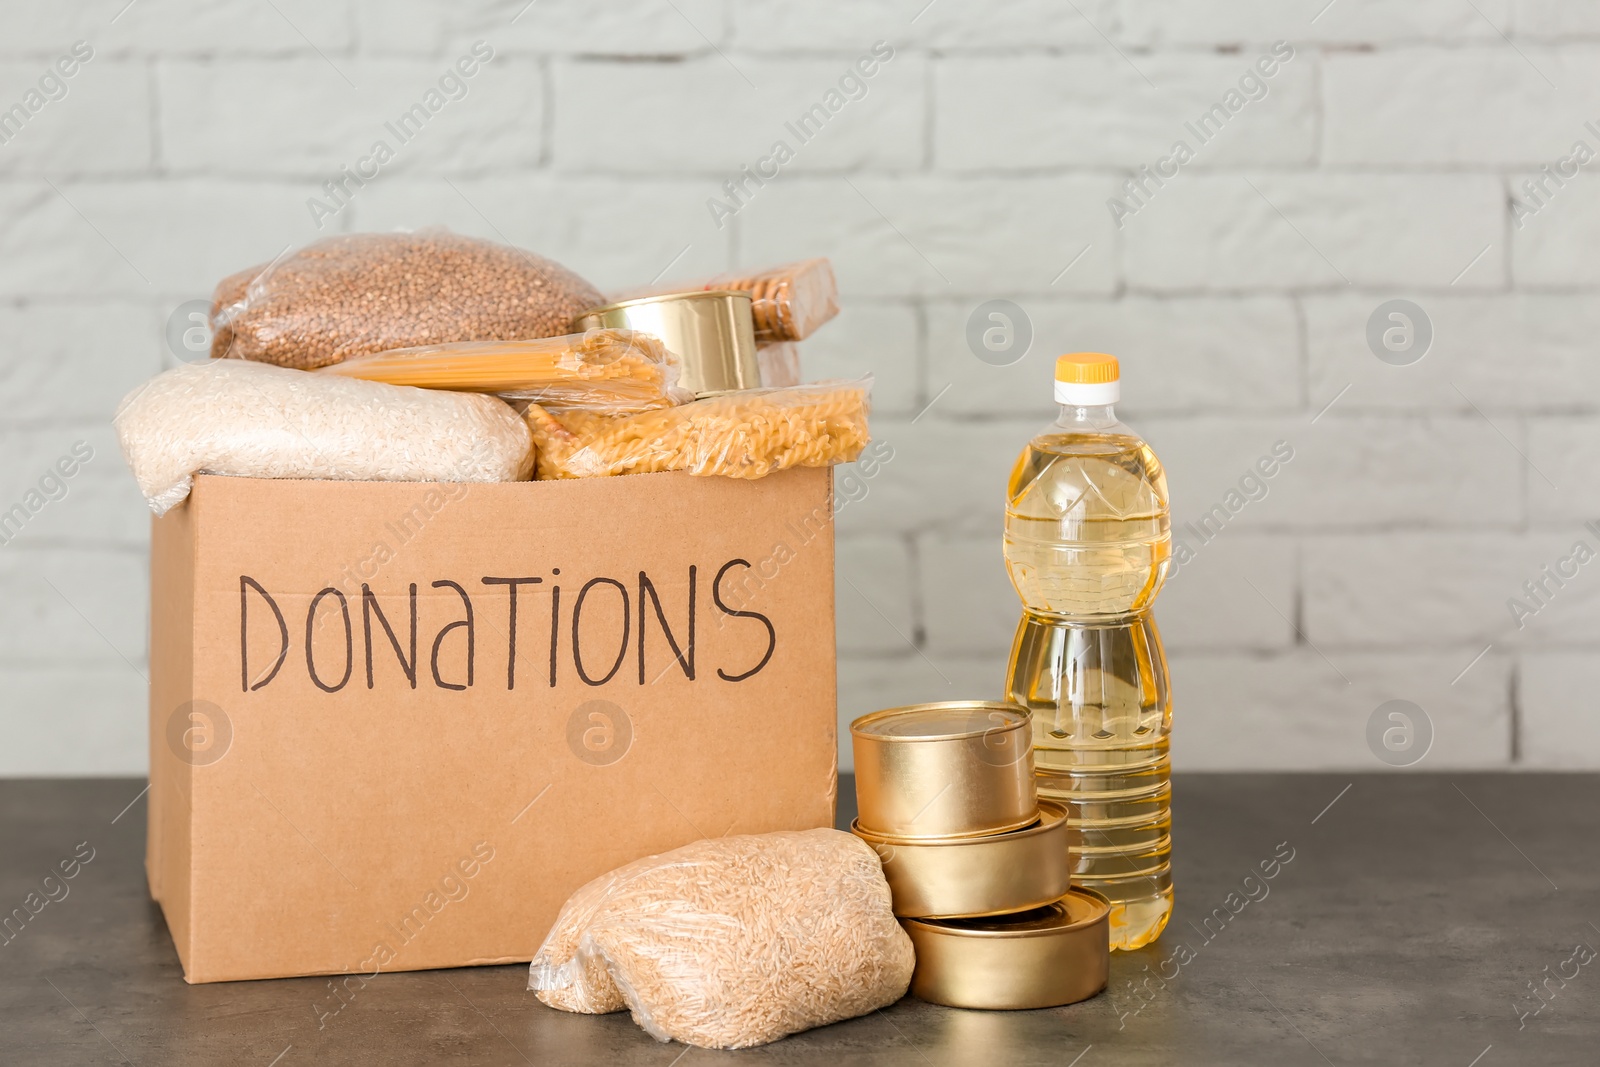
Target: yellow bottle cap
(1087, 368)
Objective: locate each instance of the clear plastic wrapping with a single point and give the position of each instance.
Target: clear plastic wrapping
(780, 364)
(747, 434)
(615, 371)
(788, 302)
(731, 942)
(254, 420)
(370, 292)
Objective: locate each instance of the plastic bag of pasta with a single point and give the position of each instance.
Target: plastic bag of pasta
(617, 371)
(253, 420)
(747, 434)
(731, 942)
(370, 292)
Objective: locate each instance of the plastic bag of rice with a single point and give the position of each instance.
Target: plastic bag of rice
(731, 942)
(371, 292)
(258, 421)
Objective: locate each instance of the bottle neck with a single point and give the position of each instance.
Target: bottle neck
(1087, 416)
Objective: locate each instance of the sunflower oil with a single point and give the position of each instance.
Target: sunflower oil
(1087, 545)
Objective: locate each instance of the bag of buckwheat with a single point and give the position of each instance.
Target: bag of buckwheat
(370, 292)
(731, 942)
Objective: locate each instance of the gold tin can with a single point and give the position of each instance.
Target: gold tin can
(711, 332)
(1058, 954)
(932, 772)
(976, 876)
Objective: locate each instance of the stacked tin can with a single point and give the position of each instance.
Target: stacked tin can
(978, 867)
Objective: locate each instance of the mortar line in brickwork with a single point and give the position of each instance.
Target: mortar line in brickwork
(1513, 684)
(919, 353)
(1378, 291)
(919, 626)
(1508, 260)
(352, 23)
(1302, 338)
(152, 82)
(1119, 273)
(547, 113)
(1297, 602)
(1525, 434)
(1307, 169)
(1319, 125)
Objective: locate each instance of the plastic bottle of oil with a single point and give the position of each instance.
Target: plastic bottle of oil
(1087, 546)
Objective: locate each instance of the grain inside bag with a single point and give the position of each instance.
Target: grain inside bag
(371, 292)
(731, 942)
(253, 420)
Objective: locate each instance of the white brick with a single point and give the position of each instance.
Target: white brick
(102, 505)
(615, 232)
(1554, 246)
(979, 235)
(1555, 692)
(77, 719)
(704, 116)
(971, 605)
(1286, 711)
(872, 597)
(1098, 110)
(1214, 231)
(1567, 452)
(855, 483)
(1237, 592)
(1179, 22)
(1411, 590)
(1295, 711)
(1475, 357)
(635, 27)
(1556, 19)
(1483, 106)
(178, 237)
(869, 338)
(299, 117)
(101, 124)
(867, 685)
(73, 606)
(74, 361)
(1177, 355)
(169, 26)
(942, 476)
(1345, 473)
(945, 24)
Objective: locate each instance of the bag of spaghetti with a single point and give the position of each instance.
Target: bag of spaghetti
(745, 434)
(602, 370)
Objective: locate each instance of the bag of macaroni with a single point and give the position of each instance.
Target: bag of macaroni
(394, 725)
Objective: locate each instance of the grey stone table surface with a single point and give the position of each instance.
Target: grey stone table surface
(1410, 919)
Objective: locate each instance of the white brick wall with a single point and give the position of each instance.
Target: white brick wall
(978, 165)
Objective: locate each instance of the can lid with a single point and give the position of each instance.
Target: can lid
(661, 298)
(1080, 908)
(945, 721)
(1051, 815)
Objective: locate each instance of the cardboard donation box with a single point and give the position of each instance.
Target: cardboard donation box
(393, 726)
